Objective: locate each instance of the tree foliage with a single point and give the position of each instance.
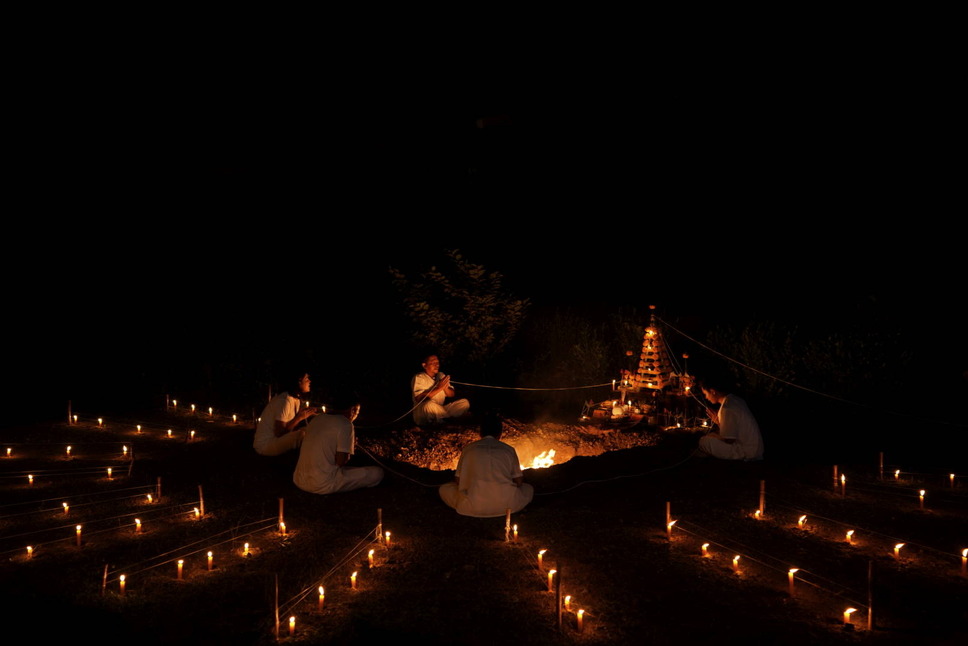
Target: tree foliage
(462, 310)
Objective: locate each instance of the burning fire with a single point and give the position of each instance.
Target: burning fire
(542, 461)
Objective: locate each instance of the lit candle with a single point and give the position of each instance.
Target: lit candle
(30, 479)
(210, 411)
(847, 614)
(174, 403)
(353, 580)
(150, 499)
(897, 551)
(66, 507)
(75, 419)
(757, 514)
(850, 537)
(897, 476)
(568, 602)
(210, 557)
(78, 530)
(121, 583)
(921, 496)
(551, 579)
(124, 451)
(613, 384)
(234, 419)
(843, 485)
(322, 598)
(386, 538)
(197, 513)
(137, 525)
(580, 617)
(541, 558)
(30, 555)
(68, 450)
(169, 432)
(9, 450)
(705, 549)
(292, 626)
(181, 568)
(139, 429)
(370, 557)
(193, 408)
(669, 529)
(792, 575)
(964, 560)
(109, 473)
(245, 550)
(191, 435)
(515, 530)
(736, 563)
(282, 528)
(951, 476)
(802, 521)
(100, 421)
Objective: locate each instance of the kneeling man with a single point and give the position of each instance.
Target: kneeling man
(488, 480)
(330, 441)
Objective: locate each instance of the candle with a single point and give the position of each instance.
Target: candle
(121, 583)
(705, 549)
(736, 563)
(30, 555)
(75, 419)
(921, 495)
(234, 419)
(370, 557)
(193, 408)
(150, 499)
(245, 550)
(292, 626)
(197, 513)
(100, 421)
(541, 558)
(386, 538)
(9, 450)
(964, 560)
(850, 537)
(174, 403)
(353, 580)
(66, 507)
(191, 435)
(68, 450)
(897, 551)
(843, 485)
(322, 598)
(551, 579)
(210, 561)
(137, 525)
(169, 432)
(847, 614)
(950, 475)
(669, 529)
(30, 479)
(139, 429)
(802, 521)
(78, 530)
(282, 528)
(515, 530)
(897, 475)
(792, 575)
(124, 451)
(580, 616)
(757, 514)
(109, 473)
(210, 414)
(568, 602)
(181, 568)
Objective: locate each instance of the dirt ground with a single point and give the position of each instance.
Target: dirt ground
(447, 579)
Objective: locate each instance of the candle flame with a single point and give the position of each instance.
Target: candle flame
(794, 570)
(705, 549)
(848, 613)
(567, 602)
(802, 521)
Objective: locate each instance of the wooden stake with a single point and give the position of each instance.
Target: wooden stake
(507, 525)
(201, 502)
(158, 489)
(379, 526)
(836, 481)
(281, 517)
(104, 579)
(277, 607)
(880, 466)
(668, 513)
(558, 595)
(70, 420)
(762, 498)
(130, 460)
(870, 595)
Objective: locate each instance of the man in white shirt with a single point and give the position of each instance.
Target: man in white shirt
(430, 389)
(739, 435)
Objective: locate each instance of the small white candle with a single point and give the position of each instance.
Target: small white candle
(515, 530)
(964, 560)
(322, 599)
(150, 499)
(78, 531)
(843, 485)
(174, 403)
(169, 432)
(758, 514)
(139, 429)
(66, 507)
(75, 419)
(234, 419)
(30, 479)
(705, 549)
(109, 473)
(68, 451)
(197, 513)
(9, 450)
(193, 408)
(30, 555)
(669, 529)
(121, 583)
(386, 539)
(541, 558)
(736, 563)
(282, 528)
(137, 525)
(100, 421)
(567, 602)
(124, 451)
(897, 475)
(580, 618)
(951, 476)
(353, 580)
(210, 414)
(792, 575)
(847, 614)
(369, 557)
(897, 551)
(802, 521)
(551, 579)
(292, 626)
(181, 568)
(850, 537)
(191, 435)
(210, 559)
(921, 496)
(245, 550)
